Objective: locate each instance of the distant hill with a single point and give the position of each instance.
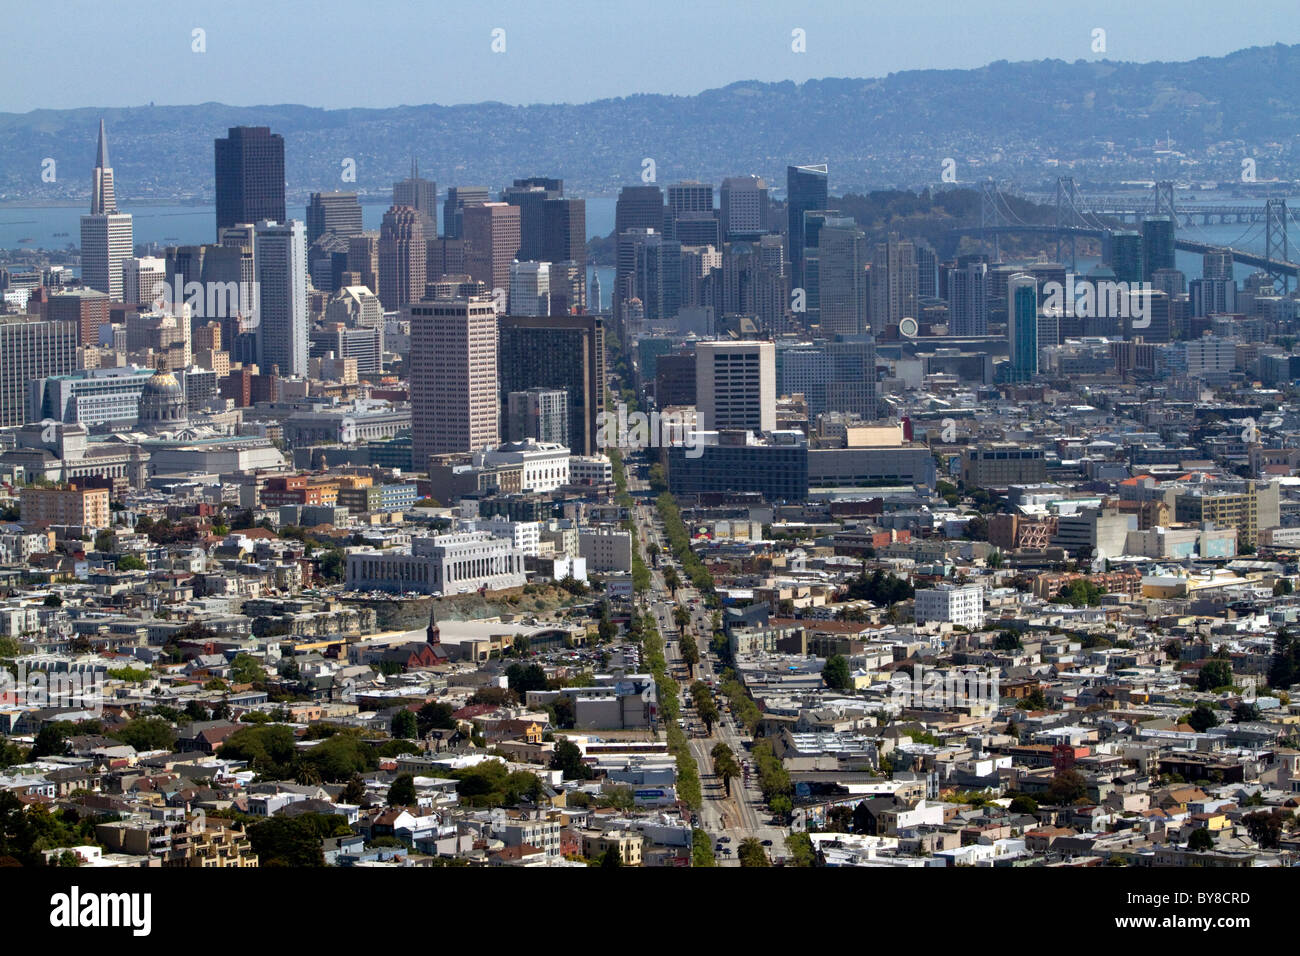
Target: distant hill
(1019, 122)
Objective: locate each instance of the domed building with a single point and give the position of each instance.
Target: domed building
(162, 403)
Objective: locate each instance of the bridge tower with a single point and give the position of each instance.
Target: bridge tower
(1275, 241)
(1164, 196)
(990, 216)
(1067, 214)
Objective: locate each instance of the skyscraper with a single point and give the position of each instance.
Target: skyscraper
(639, 207)
(336, 212)
(688, 200)
(893, 284)
(649, 268)
(805, 188)
(139, 278)
(250, 176)
(564, 231)
(531, 195)
(491, 231)
(1157, 245)
(421, 195)
(1217, 264)
(402, 258)
(595, 296)
(968, 297)
(735, 385)
(459, 198)
(927, 270)
(363, 259)
(744, 208)
(31, 350)
(1022, 327)
(842, 287)
(851, 384)
(561, 352)
(282, 332)
(455, 405)
(1126, 256)
(530, 288)
(106, 234)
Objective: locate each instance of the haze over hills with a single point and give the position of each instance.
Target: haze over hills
(1019, 122)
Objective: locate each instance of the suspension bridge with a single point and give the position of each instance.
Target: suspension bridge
(1078, 216)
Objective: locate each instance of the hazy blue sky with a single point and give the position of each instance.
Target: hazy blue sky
(335, 53)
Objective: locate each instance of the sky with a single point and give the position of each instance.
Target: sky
(60, 54)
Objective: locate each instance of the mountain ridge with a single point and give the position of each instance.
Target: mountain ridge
(1014, 121)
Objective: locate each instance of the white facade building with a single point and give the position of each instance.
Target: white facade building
(590, 470)
(454, 563)
(524, 535)
(545, 464)
(530, 288)
(951, 604)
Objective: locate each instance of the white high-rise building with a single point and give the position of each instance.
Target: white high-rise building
(106, 234)
(530, 288)
(735, 385)
(140, 276)
(281, 256)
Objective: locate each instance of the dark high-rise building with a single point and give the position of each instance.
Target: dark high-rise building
(1126, 256)
(564, 233)
(559, 352)
(927, 270)
(453, 209)
(530, 195)
(675, 379)
(697, 229)
(805, 191)
(421, 195)
(250, 176)
(1157, 246)
(639, 207)
(336, 212)
(688, 200)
